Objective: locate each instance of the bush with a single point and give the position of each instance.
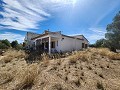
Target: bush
(3, 46)
(6, 42)
(100, 43)
(12, 54)
(14, 44)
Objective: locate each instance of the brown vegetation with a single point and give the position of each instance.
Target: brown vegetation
(91, 69)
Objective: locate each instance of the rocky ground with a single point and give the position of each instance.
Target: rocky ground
(92, 69)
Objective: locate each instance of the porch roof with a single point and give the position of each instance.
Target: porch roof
(40, 36)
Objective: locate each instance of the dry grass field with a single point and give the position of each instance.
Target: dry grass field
(92, 69)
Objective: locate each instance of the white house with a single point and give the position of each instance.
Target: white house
(55, 42)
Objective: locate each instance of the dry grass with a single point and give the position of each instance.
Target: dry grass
(25, 77)
(108, 53)
(91, 53)
(12, 54)
(92, 69)
(5, 77)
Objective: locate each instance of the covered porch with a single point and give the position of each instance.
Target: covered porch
(46, 44)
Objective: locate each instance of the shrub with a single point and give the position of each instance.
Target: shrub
(109, 54)
(25, 77)
(80, 55)
(14, 44)
(5, 77)
(6, 42)
(3, 46)
(12, 54)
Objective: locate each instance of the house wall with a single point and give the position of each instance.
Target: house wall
(85, 41)
(64, 43)
(82, 37)
(28, 37)
(68, 44)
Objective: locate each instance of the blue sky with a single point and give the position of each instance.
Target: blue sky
(72, 17)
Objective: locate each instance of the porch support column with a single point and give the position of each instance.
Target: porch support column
(49, 45)
(35, 45)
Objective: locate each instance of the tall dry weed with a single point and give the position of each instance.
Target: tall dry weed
(12, 54)
(106, 52)
(5, 77)
(92, 53)
(24, 78)
(80, 55)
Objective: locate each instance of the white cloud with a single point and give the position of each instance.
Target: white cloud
(12, 36)
(95, 37)
(96, 34)
(26, 14)
(98, 30)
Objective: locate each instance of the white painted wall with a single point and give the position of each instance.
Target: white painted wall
(68, 44)
(82, 37)
(28, 37)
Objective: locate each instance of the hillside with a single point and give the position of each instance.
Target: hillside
(92, 69)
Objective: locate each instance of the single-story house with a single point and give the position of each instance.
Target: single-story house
(55, 42)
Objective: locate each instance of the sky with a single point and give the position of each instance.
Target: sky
(73, 17)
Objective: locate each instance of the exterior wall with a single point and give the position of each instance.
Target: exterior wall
(85, 41)
(62, 42)
(28, 37)
(68, 44)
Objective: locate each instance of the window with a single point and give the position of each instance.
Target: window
(62, 39)
(52, 44)
(82, 45)
(86, 45)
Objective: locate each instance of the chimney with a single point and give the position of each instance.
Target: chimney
(46, 31)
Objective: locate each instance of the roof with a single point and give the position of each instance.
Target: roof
(84, 37)
(81, 35)
(71, 37)
(48, 32)
(40, 36)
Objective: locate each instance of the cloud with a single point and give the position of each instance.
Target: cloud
(12, 36)
(98, 30)
(96, 34)
(27, 14)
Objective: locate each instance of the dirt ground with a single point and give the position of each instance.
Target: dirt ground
(92, 69)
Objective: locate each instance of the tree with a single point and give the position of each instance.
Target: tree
(91, 45)
(113, 33)
(6, 42)
(14, 44)
(100, 43)
(20, 46)
(3, 46)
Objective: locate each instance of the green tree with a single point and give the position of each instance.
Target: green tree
(20, 46)
(14, 44)
(91, 45)
(3, 46)
(6, 42)
(113, 33)
(100, 43)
